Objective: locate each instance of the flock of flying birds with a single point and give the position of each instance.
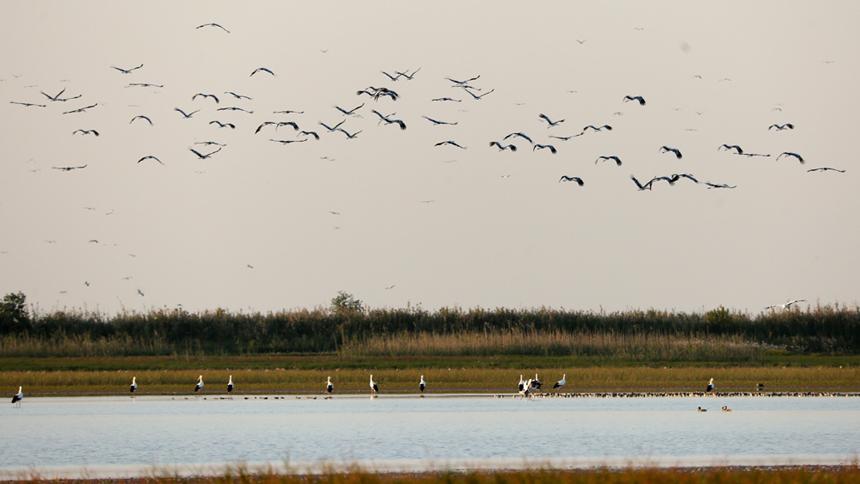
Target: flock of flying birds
(233, 111)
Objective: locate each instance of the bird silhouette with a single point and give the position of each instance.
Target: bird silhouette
(128, 70)
(262, 69)
(640, 186)
(81, 110)
(789, 154)
(69, 168)
(614, 158)
(438, 123)
(639, 99)
(206, 96)
(519, 134)
(212, 24)
(551, 148)
(238, 96)
(184, 114)
(349, 112)
(204, 156)
(140, 116)
(150, 157)
(674, 151)
(550, 123)
(825, 168)
(780, 127)
(502, 147)
(331, 129)
(450, 143)
(576, 179)
(223, 125)
(86, 131)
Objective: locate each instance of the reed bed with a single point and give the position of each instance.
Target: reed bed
(778, 475)
(440, 380)
(822, 329)
(638, 347)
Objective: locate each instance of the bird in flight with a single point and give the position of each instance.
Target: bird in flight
(331, 129)
(57, 98)
(448, 99)
(520, 134)
(203, 156)
(789, 154)
(640, 186)
(825, 168)
(710, 185)
(238, 96)
(28, 105)
(406, 75)
(235, 108)
(451, 143)
(477, 97)
(184, 114)
(389, 120)
(597, 128)
(86, 131)
(566, 138)
(393, 78)
(140, 116)
(223, 125)
(205, 96)
(347, 133)
(349, 112)
(209, 143)
(377, 92)
(465, 81)
(262, 69)
(80, 110)
(502, 147)
(150, 157)
(550, 123)
(787, 304)
(780, 127)
(69, 168)
(127, 71)
(551, 148)
(576, 179)
(212, 24)
(437, 122)
(288, 141)
(310, 133)
(727, 147)
(144, 84)
(288, 111)
(669, 149)
(614, 158)
(639, 99)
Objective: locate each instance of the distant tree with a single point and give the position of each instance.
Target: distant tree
(346, 302)
(14, 317)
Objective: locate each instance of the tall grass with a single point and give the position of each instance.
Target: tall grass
(825, 329)
(638, 347)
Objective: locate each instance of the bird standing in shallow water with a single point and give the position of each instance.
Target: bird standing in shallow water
(18, 397)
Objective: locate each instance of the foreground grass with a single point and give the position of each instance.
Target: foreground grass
(823, 475)
(440, 380)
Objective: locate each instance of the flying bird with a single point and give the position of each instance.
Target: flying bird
(205, 96)
(204, 156)
(86, 131)
(437, 122)
(288, 141)
(614, 158)
(551, 148)
(451, 143)
(288, 111)
(787, 304)
(640, 186)
(150, 157)
(825, 168)
(550, 123)
(80, 110)
(57, 98)
(597, 128)
(212, 24)
(465, 81)
(144, 84)
(140, 116)
(669, 149)
(502, 147)
(392, 78)
(223, 125)
(710, 185)
(778, 127)
(789, 154)
(347, 133)
(477, 97)
(389, 120)
(238, 96)
(406, 75)
(184, 114)
(349, 112)
(235, 108)
(446, 99)
(69, 168)
(565, 178)
(129, 70)
(310, 133)
(639, 99)
(331, 129)
(727, 147)
(29, 105)
(519, 134)
(566, 138)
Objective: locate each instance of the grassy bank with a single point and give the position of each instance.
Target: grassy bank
(779, 475)
(440, 380)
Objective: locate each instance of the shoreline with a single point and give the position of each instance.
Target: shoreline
(482, 395)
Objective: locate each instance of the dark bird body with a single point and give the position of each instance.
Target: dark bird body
(576, 179)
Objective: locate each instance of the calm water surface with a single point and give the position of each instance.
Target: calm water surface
(157, 432)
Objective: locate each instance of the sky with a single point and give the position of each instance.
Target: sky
(252, 228)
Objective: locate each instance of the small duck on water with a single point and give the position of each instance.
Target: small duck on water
(700, 409)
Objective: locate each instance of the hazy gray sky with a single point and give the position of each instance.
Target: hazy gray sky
(487, 238)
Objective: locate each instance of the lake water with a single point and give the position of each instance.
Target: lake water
(119, 435)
